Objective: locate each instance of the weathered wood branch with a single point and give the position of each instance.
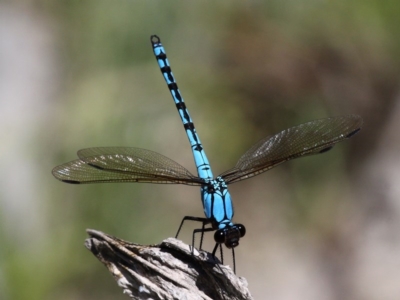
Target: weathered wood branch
(165, 271)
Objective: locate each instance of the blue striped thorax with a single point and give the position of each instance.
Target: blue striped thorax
(217, 203)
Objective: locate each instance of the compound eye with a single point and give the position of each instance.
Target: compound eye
(219, 236)
(242, 229)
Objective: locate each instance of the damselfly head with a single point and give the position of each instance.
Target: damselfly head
(230, 236)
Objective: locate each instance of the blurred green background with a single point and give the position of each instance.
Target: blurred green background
(77, 74)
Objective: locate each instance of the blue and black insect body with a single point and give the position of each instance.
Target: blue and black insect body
(123, 164)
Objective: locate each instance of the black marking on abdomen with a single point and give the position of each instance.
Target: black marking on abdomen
(173, 86)
(181, 106)
(166, 69)
(189, 126)
(169, 74)
(198, 147)
(162, 56)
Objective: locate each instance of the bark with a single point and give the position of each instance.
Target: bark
(168, 270)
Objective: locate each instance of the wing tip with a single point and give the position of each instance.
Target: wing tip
(353, 133)
(326, 149)
(70, 181)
